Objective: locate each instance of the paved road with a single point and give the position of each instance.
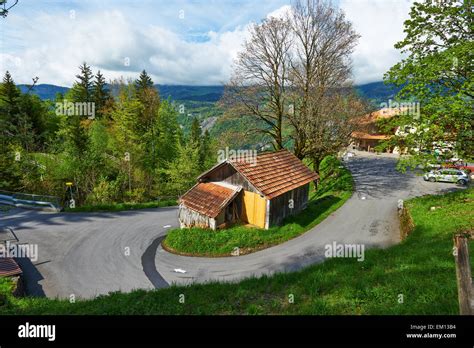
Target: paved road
(86, 254)
(369, 217)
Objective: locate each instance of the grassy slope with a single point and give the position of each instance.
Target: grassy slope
(421, 269)
(333, 192)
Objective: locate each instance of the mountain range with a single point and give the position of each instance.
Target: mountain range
(376, 92)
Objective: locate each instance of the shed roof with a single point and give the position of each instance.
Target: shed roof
(209, 198)
(275, 173)
(9, 267)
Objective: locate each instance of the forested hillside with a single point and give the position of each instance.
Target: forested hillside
(124, 148)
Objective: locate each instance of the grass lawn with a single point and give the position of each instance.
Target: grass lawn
(123, 206)
(414, 277)
(334, 190)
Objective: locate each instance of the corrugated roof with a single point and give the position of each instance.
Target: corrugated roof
(275, 173)
(9, 267)
(208, 198)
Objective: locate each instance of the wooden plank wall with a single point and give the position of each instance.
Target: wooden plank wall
(280, 207)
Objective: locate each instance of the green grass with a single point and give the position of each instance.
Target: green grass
(122, 206)
(421, 269)
(333, 192)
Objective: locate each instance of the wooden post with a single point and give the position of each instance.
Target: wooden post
(463, 274)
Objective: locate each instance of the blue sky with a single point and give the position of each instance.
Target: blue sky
(177, 41)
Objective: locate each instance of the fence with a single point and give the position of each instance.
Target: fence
(463, 273)
(27, 200)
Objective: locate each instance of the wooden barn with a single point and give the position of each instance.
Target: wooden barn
(261, 192)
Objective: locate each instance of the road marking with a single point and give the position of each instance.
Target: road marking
(166, 226)
(179, 270)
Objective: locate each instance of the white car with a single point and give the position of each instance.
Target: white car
(447, 175)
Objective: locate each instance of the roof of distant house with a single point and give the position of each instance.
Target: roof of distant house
(380, 114)
(367, 136)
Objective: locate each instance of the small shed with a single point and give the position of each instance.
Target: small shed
(262, 192)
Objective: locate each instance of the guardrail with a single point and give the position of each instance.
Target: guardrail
(32, 201)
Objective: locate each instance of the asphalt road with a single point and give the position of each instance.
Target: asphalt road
(88, 254)
(369, 217)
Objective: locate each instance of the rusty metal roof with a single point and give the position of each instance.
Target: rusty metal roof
(208, 198)
(275, 173)
(9, 267)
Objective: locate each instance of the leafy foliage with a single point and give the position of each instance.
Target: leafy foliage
(437, 73)
(133, 150)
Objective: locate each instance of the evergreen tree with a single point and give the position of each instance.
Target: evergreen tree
(82, 90)
(10, 124)
(195, 136)
(143, 82)
(9, 93)
(100, 94)
(206, 157)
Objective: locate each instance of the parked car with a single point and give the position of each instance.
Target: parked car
(469, 170)
(447, 175)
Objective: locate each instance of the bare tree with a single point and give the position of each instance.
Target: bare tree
(258, 85)
(294, 75)
(324, 103)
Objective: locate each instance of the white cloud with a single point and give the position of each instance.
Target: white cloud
(280, 12)
(380, 24)
(58, 45)
(53, 45)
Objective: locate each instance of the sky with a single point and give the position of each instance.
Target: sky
(180, 42)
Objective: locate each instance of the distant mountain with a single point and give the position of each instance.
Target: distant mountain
(376, 92)
(44, 91)
(194, 93)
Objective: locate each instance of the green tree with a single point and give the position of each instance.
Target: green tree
(101, 94)
(182, 172)
(437, 73)
(207, 157)
(169, 134)
(196, 132)
(143, 82)
(82, 90)
(9, 107)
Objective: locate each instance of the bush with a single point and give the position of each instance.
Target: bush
(328, 165)
(103, 192)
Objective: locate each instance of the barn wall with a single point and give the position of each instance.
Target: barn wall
(280, 207)
(191, 218)
(228, 174)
